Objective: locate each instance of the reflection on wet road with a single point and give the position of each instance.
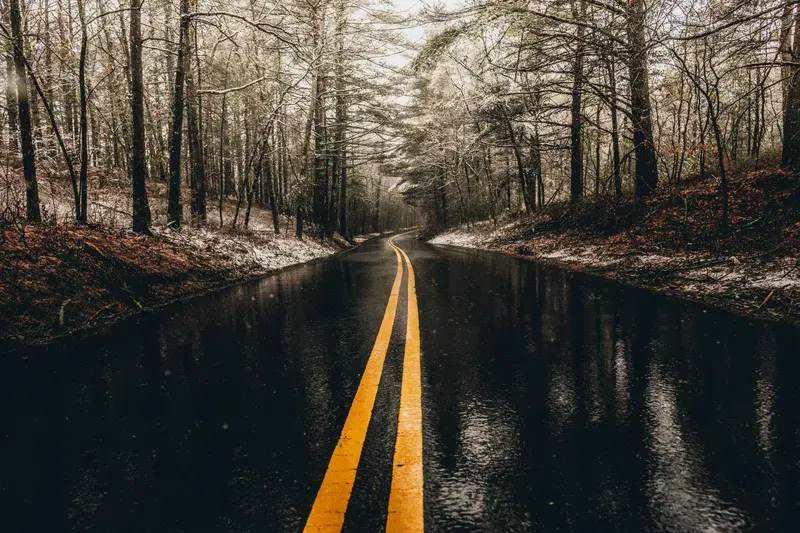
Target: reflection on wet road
(550, 401)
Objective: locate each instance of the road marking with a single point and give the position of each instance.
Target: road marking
(406, 511)
(327, 513)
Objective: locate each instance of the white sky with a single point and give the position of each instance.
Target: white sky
(408, 7)
(417, 34)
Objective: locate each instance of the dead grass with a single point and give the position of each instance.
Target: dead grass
(57, 278)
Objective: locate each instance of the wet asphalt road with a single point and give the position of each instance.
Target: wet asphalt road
(551, 401)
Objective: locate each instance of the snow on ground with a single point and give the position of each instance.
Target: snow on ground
(777, 274)
(780, 274)
(460, 238)
(254, 250)
(587, 255)
(478, 235)
(361, 238)
(481, 236)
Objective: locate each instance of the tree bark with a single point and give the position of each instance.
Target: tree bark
(84, 122)
(535, 177)
(319, 174)
(576, 147)
(221, 191)
(273, 206)
(197, 180)
(530, 206)
(59, 138)
(598, 134)
(141, 207)
(341, 120)
(320, 146)
(175, 207)
(11, 92)
(785, 46)
(32, 210)
(646, 162)
(790, 158)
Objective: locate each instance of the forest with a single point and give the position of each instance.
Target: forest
(198, 120)
(519, 104)
(279, 105)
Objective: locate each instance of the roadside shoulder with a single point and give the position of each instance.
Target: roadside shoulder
(762, 285)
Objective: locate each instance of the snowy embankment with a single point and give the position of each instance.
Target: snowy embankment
(255, 249)
(254, 252)
(763, 285)
(56, 278)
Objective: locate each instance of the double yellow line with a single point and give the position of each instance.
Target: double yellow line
(406, 496)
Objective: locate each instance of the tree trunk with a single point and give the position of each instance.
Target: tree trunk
(376, 223)
(508, 183)
(597, 152)
(32, 211)
(11, 93)
(273, 206)
(84, 123)
(250, 188)
(221, 191)
(341, 119)
(320, 174)
(790, 158)
(59, 138)
(174, 208)
(197, 169)
(646, 162)
(200, 179)
(785, 46)
(535, 171)
(523, 182)
(299, 232)
(576, 147)
(141, 208)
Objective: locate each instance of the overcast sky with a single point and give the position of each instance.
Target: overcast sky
(414, 6)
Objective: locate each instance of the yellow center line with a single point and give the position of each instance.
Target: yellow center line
(406, 511)
(327, 513)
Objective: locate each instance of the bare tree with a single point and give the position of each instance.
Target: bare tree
(33, 213)
(175, 209)
(141, 207)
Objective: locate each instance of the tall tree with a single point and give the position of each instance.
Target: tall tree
(11, 88)
(318, 169)
(141, 207)
(84, 122)
(790, 158)
(197, 178)
(641, 113)
(612, 96)
(175, 209)
(32, 210)
(340, 161)
(576, 149)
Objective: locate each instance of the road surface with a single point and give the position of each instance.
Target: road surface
(407, 387)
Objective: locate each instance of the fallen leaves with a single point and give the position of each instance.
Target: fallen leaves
(672, 242)
(54, 279)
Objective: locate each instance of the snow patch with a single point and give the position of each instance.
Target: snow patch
(254, 251)
(729, 277)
